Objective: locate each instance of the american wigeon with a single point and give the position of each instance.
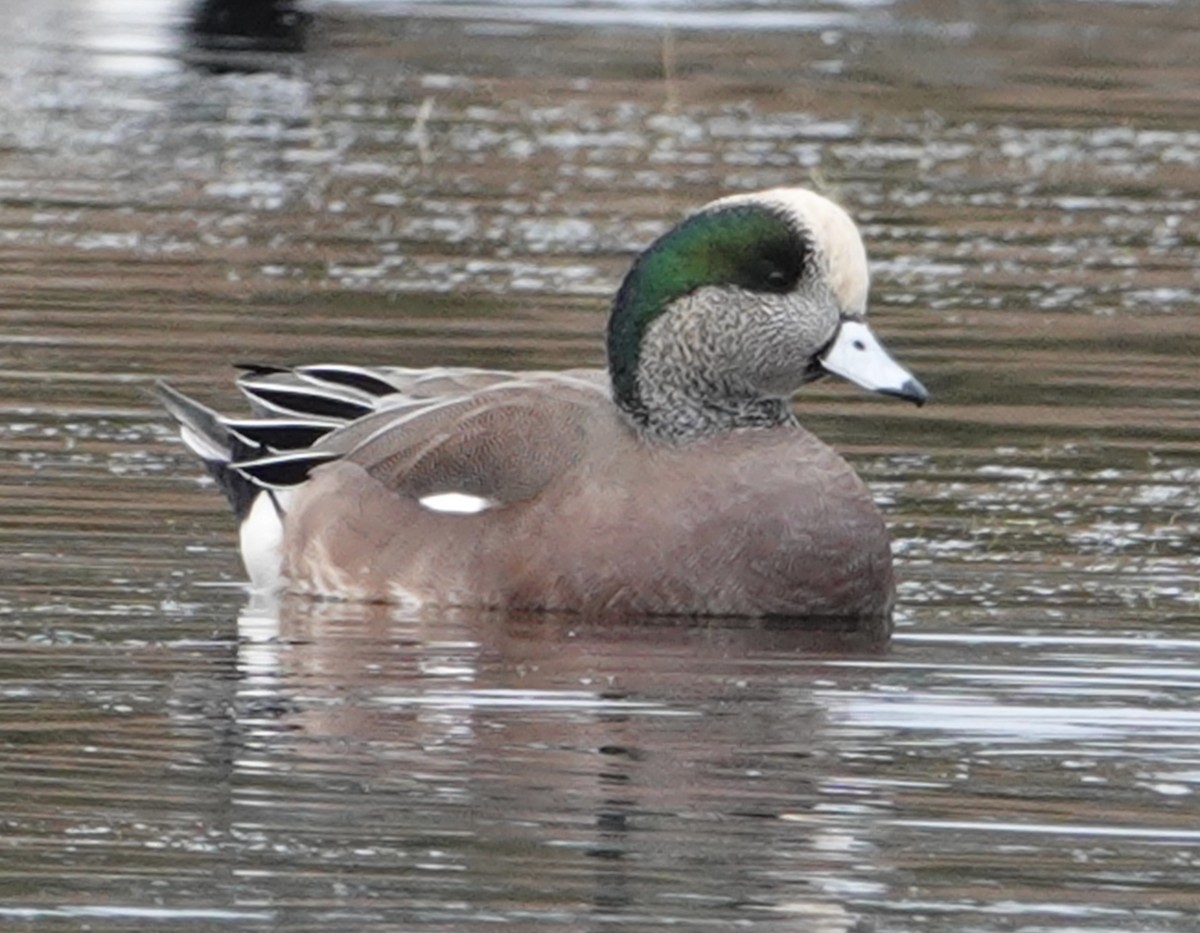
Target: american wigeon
(679, 481)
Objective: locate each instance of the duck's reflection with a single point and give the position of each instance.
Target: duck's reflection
(660, 760)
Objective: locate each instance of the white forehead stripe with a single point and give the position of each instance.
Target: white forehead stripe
(836, 236)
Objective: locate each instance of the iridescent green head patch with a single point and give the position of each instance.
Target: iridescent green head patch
(749, 245)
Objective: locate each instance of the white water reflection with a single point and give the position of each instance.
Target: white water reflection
(653, 14)
(129, 37)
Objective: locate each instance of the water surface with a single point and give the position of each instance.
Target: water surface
(465, 183)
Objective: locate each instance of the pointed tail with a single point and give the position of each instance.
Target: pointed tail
(204, 431)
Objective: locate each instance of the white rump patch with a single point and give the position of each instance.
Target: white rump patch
(457, 503)
(260, 537)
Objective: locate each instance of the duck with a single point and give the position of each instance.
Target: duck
(678, 481)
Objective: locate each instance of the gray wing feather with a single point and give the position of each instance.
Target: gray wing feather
(505, 442)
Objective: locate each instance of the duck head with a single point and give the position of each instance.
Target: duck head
(723, 318)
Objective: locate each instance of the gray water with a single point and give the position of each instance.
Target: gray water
(465, 183)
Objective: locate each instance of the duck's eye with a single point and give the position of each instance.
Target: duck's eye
(778, 280)
(775, 266)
